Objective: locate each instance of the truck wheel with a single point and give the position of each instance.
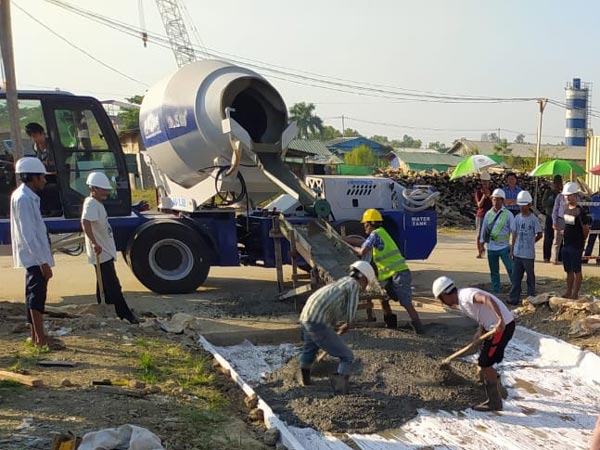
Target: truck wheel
(169, 258)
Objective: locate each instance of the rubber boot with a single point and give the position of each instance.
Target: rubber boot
(502, 389)
(305, 377)
(339, 383)
(391, 321)
(494, 399)
(418, 326)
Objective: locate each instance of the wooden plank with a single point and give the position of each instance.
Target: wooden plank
(139, 393)
(56, 363)
(23, 379)
(294, 292)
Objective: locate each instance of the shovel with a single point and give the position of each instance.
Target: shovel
(468, 347)
(99, 278)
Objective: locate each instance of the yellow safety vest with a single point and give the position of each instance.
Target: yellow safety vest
(389, 260)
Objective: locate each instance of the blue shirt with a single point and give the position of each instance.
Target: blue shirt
(374, 240)
(501, 243)
(525, 229)
(595, 210)
(512, 195)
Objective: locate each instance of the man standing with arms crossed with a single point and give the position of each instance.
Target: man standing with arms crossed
(31, 245)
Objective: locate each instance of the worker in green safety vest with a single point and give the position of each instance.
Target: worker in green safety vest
(392, 271)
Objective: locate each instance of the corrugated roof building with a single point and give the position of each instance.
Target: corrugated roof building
(415, 159)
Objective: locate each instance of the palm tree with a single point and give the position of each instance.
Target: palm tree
(308, 123)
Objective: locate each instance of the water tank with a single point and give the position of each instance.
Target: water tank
(180, 118)
(577, 109)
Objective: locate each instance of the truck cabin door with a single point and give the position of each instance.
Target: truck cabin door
(83, 140)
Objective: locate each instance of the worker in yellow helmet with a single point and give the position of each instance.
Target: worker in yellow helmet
(392, 271)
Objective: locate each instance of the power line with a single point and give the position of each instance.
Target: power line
(86, 53)
(306, 78)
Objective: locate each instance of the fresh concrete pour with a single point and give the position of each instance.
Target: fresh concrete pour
(395, 374)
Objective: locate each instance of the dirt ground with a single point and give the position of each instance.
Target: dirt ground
(208, 411)
(394, 374)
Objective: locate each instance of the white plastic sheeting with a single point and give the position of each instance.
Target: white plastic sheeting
(554, 399)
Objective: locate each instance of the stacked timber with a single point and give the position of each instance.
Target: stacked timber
(456, 205)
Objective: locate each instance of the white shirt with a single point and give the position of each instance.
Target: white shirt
(95, 212)
(30, 245)
(482, 314)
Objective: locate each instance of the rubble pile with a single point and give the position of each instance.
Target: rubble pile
(456, 206)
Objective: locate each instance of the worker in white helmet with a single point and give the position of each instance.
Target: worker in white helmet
(330, 306)
(495, 232)
(525, 232)
(490, 314)
(100, 245)
(31, 245)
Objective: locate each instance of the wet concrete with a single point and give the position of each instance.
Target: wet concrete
(395, 373)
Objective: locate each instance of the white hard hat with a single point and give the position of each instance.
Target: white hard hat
(570, 188)
(524, 198)
(485, 176)
(442, 285)
(99, 180)
(30, 165)
(364, 268)
(498, 193)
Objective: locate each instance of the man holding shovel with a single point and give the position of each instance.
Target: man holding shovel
(490, 314)
(100, 246)
(332, 304)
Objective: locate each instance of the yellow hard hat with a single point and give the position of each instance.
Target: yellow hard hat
(371, 215)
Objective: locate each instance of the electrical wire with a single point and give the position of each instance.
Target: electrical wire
(86, 53)
(302, 77)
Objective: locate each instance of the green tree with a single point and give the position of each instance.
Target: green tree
(407, 142)
(437, 145)
(327, 133)
(349, 132)
(520, 139)
(361, 156)
(383, 140)
(304, 116)
(131, 116)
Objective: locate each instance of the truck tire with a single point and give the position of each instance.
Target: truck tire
(169, 258)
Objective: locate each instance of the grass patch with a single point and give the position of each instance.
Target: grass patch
(171, 365)
(591, 285)
(10, 384)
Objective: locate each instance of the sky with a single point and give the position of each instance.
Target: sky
(464, 47)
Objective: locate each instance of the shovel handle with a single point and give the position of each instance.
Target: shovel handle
(466, 348)
(99, 278)
(322, 353)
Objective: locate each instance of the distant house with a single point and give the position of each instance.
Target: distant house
(310, 157)
(467, 147)
(347, 144)
(415, 159)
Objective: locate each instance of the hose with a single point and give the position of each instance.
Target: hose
(416, 200)
(236, 198)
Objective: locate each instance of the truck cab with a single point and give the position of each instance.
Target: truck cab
(79, 139)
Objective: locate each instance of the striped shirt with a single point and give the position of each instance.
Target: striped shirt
(334, 303)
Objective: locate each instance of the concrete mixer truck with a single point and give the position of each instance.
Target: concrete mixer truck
(215, 136)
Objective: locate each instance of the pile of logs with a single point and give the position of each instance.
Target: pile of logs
(456, 205)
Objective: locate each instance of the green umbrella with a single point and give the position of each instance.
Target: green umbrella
(473, 164)
(557, 167)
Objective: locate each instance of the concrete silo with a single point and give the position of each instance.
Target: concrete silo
(578, 104)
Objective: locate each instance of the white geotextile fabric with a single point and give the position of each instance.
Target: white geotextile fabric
(554, 400)
(126, 437)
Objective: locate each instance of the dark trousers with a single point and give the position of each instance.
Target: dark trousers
(548, 238)
(113, 295)
(519, 268)
(36, 289)
(592, 239)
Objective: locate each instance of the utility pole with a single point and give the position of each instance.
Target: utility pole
(542, 105)
(343, 127)
(12, 104)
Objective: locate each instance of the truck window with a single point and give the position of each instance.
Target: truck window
(29, 111)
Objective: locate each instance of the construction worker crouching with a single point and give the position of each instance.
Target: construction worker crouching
(490, 314)
(330, 305)
(392, 271)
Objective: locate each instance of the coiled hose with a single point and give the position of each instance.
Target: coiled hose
(416, 200)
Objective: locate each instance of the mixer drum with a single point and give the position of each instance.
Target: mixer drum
(180, 118)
